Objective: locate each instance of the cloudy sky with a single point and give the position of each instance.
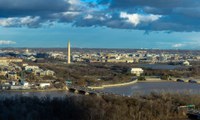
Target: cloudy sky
(158, 24)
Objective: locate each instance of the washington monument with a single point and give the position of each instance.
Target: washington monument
(69, 57)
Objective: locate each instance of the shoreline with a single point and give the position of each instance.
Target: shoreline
(112, 85)
(132, 82)
(32, 90)
(154, 81)
(97, 87)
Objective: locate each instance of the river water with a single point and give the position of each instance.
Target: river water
(141, 88)
(156, 87)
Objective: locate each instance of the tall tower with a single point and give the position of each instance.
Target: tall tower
(69, 56)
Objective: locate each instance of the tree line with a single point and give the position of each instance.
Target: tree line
(150, 107)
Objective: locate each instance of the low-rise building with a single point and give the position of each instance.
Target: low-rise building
(8, 60)
(137, 71)
(186, 63)
(12, 76)
(43, 85)
(19, 87)
(25, 64)
(41, 72)
(5, 87)
(25, 84)
(33, 68)
(49, 73)
(32, 58)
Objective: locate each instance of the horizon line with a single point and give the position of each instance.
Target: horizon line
(97, 48)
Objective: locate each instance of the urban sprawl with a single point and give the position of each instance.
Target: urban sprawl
(19, 71)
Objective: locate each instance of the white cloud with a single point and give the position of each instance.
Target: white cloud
(178, 45)
(73, 2)
(136, 19)
(88, 16)
(7, 42)
(19, 21)
(70, 13)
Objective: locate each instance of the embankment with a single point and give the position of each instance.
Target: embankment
(112, 85)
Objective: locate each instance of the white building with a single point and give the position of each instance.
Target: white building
(186, 63)
(25, 64)
(33, 68)
(137, 71)
(32, 58)
(25, 84)
(42, 85)
(41, 72)
(49, 73)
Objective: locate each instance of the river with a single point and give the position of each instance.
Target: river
(156, 87)
(141, 88)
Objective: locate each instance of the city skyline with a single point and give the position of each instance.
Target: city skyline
(100, 24)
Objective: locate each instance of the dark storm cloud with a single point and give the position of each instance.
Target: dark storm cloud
(31, 7)
(177, 15)
(152, 3)
(31, 13)
(150, 15)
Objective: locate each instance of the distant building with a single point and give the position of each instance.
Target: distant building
(25, 84)
(12, 76)
(33, 68)
(8, 60)
(25, 64)
(38, 72)
(186, 63)
(19, 87)
(137, 71)
(41, 72)
(32, 58)
(16, 87)
(43, 85)
(129, 61)
(57, 55)
(135, 60)
(13, 83)
(27, 51)
(49, 73)
(3, 73)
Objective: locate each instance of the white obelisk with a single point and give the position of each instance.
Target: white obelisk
(69, 56)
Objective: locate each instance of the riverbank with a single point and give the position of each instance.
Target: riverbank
(34, 90)
(154, 81)
(112, 85)
(188, 79)
(149, 79)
